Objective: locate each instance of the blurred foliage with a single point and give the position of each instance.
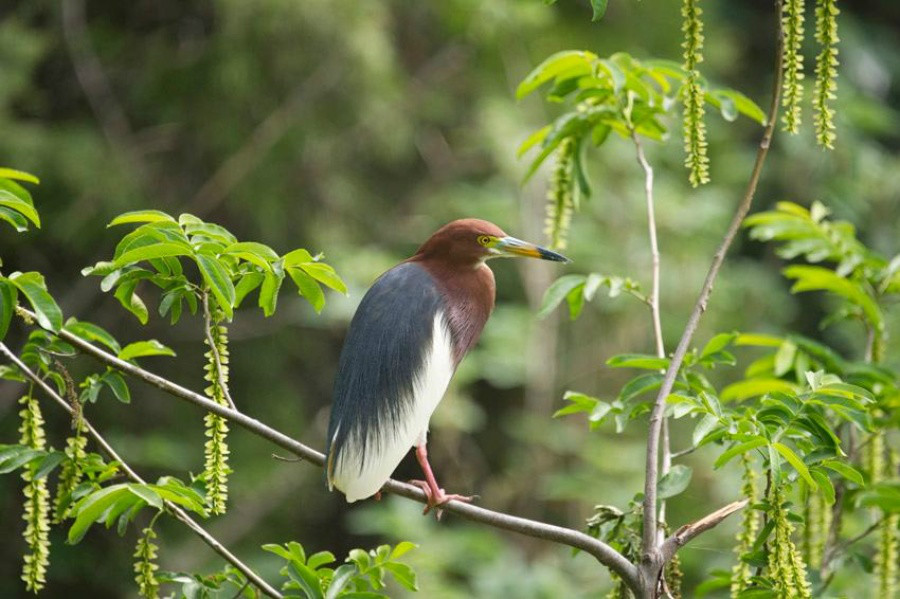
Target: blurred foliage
(358, 129)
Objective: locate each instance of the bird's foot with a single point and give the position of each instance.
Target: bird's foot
(438, 497)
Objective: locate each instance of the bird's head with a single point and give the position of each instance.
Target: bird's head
(470, 241)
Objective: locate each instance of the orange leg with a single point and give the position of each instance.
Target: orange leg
(435, 494)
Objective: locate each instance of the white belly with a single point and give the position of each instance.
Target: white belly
(411, 430)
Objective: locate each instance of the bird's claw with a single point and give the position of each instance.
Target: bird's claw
(441, 498)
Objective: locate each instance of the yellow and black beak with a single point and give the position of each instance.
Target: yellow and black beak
(512, 247)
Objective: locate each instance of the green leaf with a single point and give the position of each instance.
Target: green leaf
(19, 205)
(45, 465)
(256, 253)
(268, 293)
(703, 428)
(758, 340)
(674, 481)
(557, 292)
(144, 348)
(306, 578)
(91, 333)
(645, 361)
(845, 470)
(91, 508)
(146, 493)
(149, 252)
(573, 62)
(817, 278)
(797, 463)
(533, 139)
(784, 357)
(8, 301)
(325, 275)
(743, 104)
(308, 288)
(18, 222)
(117, 385)
(640, 385)
(717, 344)
(33, 287)
(748, 388)
(317, 560)
(403, 574)
(246, 283)
(402, 548)
(11, 173)
(739, 449)
(824, 484)
(131, 302)
(599, 9)
(15, 456)
(219, 282)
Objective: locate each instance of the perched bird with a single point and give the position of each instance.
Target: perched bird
(405, 341)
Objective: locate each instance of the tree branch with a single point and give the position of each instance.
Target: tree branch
(651, 554)
(176, 511)
(687, 532)
(605, 554)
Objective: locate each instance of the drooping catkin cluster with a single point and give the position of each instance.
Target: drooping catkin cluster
(145, 566)
(619, 589)
(816, 522)
(826, 71)
(742, 571)
(692, 95)
(792, 15)
(887, 551)
(786, 567)
(216, 469)
(560, 197)
(71, 472)
(37, 500)
(674, 576)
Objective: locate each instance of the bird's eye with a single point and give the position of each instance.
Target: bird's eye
(484, 240)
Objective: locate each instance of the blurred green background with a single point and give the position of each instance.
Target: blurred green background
(356, 129)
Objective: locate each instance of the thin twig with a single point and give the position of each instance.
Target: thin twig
(214, 348)
(826, 561)
(532, 528)
(650, 550)
(179, 513)
(653, 303)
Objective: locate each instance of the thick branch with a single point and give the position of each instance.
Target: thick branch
(532, 528)
(656, 415)
(179, 513)
(687, 532)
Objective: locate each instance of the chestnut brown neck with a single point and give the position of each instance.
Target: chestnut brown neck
(468, 291)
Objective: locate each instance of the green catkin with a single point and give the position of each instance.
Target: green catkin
(216, 469)
(70, 473)
(816, 522)
(826, 71)
(887, 554)
(145, 564)
(692, 94)
(792, 14)
(560, 197)
(742, 571)
(674, 576)
(785, 567)
(37, 501)
(619, 589)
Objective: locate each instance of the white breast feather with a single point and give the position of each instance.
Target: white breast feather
(428, 390)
